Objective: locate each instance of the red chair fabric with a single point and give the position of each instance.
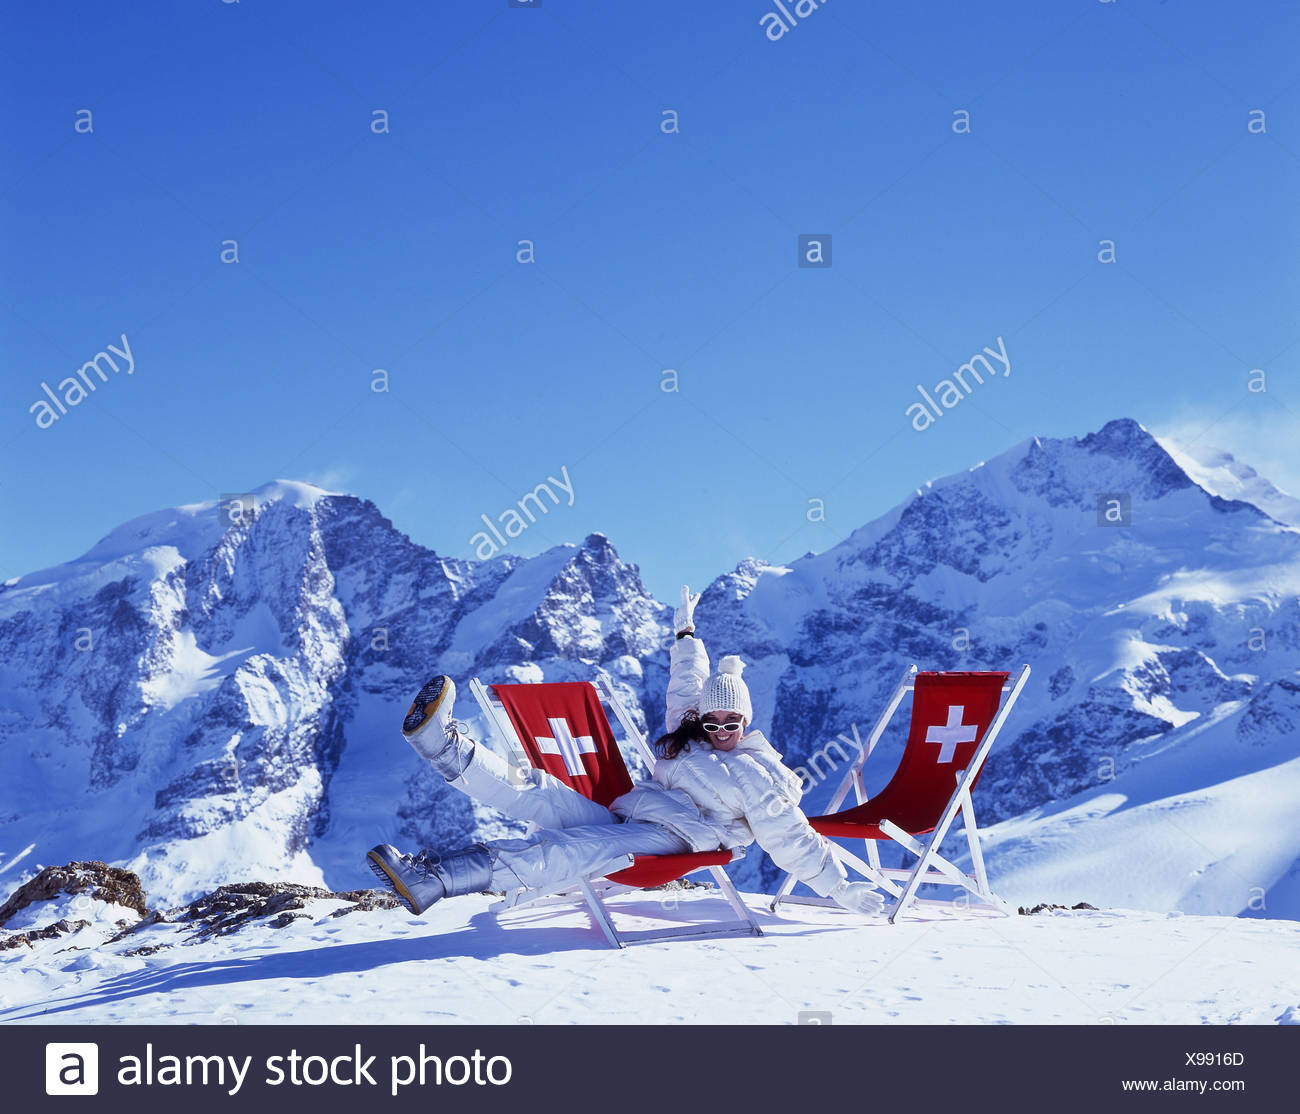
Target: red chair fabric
(565, 732)
(951, 712)
(655, 870)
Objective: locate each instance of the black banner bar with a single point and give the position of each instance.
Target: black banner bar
(658, 1070)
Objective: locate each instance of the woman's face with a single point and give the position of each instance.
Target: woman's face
(724, 740)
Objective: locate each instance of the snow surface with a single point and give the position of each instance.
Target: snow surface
(459, 965)
(1218, 848)
(1222, 474)
(72, 907)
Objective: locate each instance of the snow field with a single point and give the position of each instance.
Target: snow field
(459, 965)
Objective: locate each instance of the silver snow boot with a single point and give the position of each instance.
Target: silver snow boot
(431, 731)
(423, 879)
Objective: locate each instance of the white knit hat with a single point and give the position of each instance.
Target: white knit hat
(724, 691)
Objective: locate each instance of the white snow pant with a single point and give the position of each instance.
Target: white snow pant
(577, 836)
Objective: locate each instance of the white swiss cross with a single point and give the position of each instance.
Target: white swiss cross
(567, 745)
(951, 733)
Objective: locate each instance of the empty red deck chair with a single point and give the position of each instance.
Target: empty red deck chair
(561, 727)
(955, 719)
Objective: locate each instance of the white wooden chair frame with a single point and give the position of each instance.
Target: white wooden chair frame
(930, 867)
(592, 889)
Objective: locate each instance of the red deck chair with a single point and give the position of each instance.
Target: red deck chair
(955, 718)
(560, 727)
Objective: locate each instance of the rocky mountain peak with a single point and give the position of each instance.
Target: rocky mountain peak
(206, 697)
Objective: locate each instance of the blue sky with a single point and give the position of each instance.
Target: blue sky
(654, 250)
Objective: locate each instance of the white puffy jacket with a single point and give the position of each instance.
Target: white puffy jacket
(716, 798)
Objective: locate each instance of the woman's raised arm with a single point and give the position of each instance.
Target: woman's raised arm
(688, 663)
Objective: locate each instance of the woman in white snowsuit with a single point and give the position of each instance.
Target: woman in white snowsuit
(717, 785)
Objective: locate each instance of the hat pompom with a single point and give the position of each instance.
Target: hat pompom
(731, 664)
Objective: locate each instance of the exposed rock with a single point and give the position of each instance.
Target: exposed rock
(1076, 749)
(1061, 682)
(49, 932)
(1046, 907)
(366, 900)
(148, 949)
(222, 911)
(228, 908)
(155, 916)
(1273, 714)
(104, 883)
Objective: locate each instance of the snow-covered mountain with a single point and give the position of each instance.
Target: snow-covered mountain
(207, 701)
(1154, 757)
(1222, 474)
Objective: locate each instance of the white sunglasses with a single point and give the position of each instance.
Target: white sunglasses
(733, 725)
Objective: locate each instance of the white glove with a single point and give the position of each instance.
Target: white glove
(684, 616)
(860, 897)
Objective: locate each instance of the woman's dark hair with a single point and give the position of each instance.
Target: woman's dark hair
(688, 731)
